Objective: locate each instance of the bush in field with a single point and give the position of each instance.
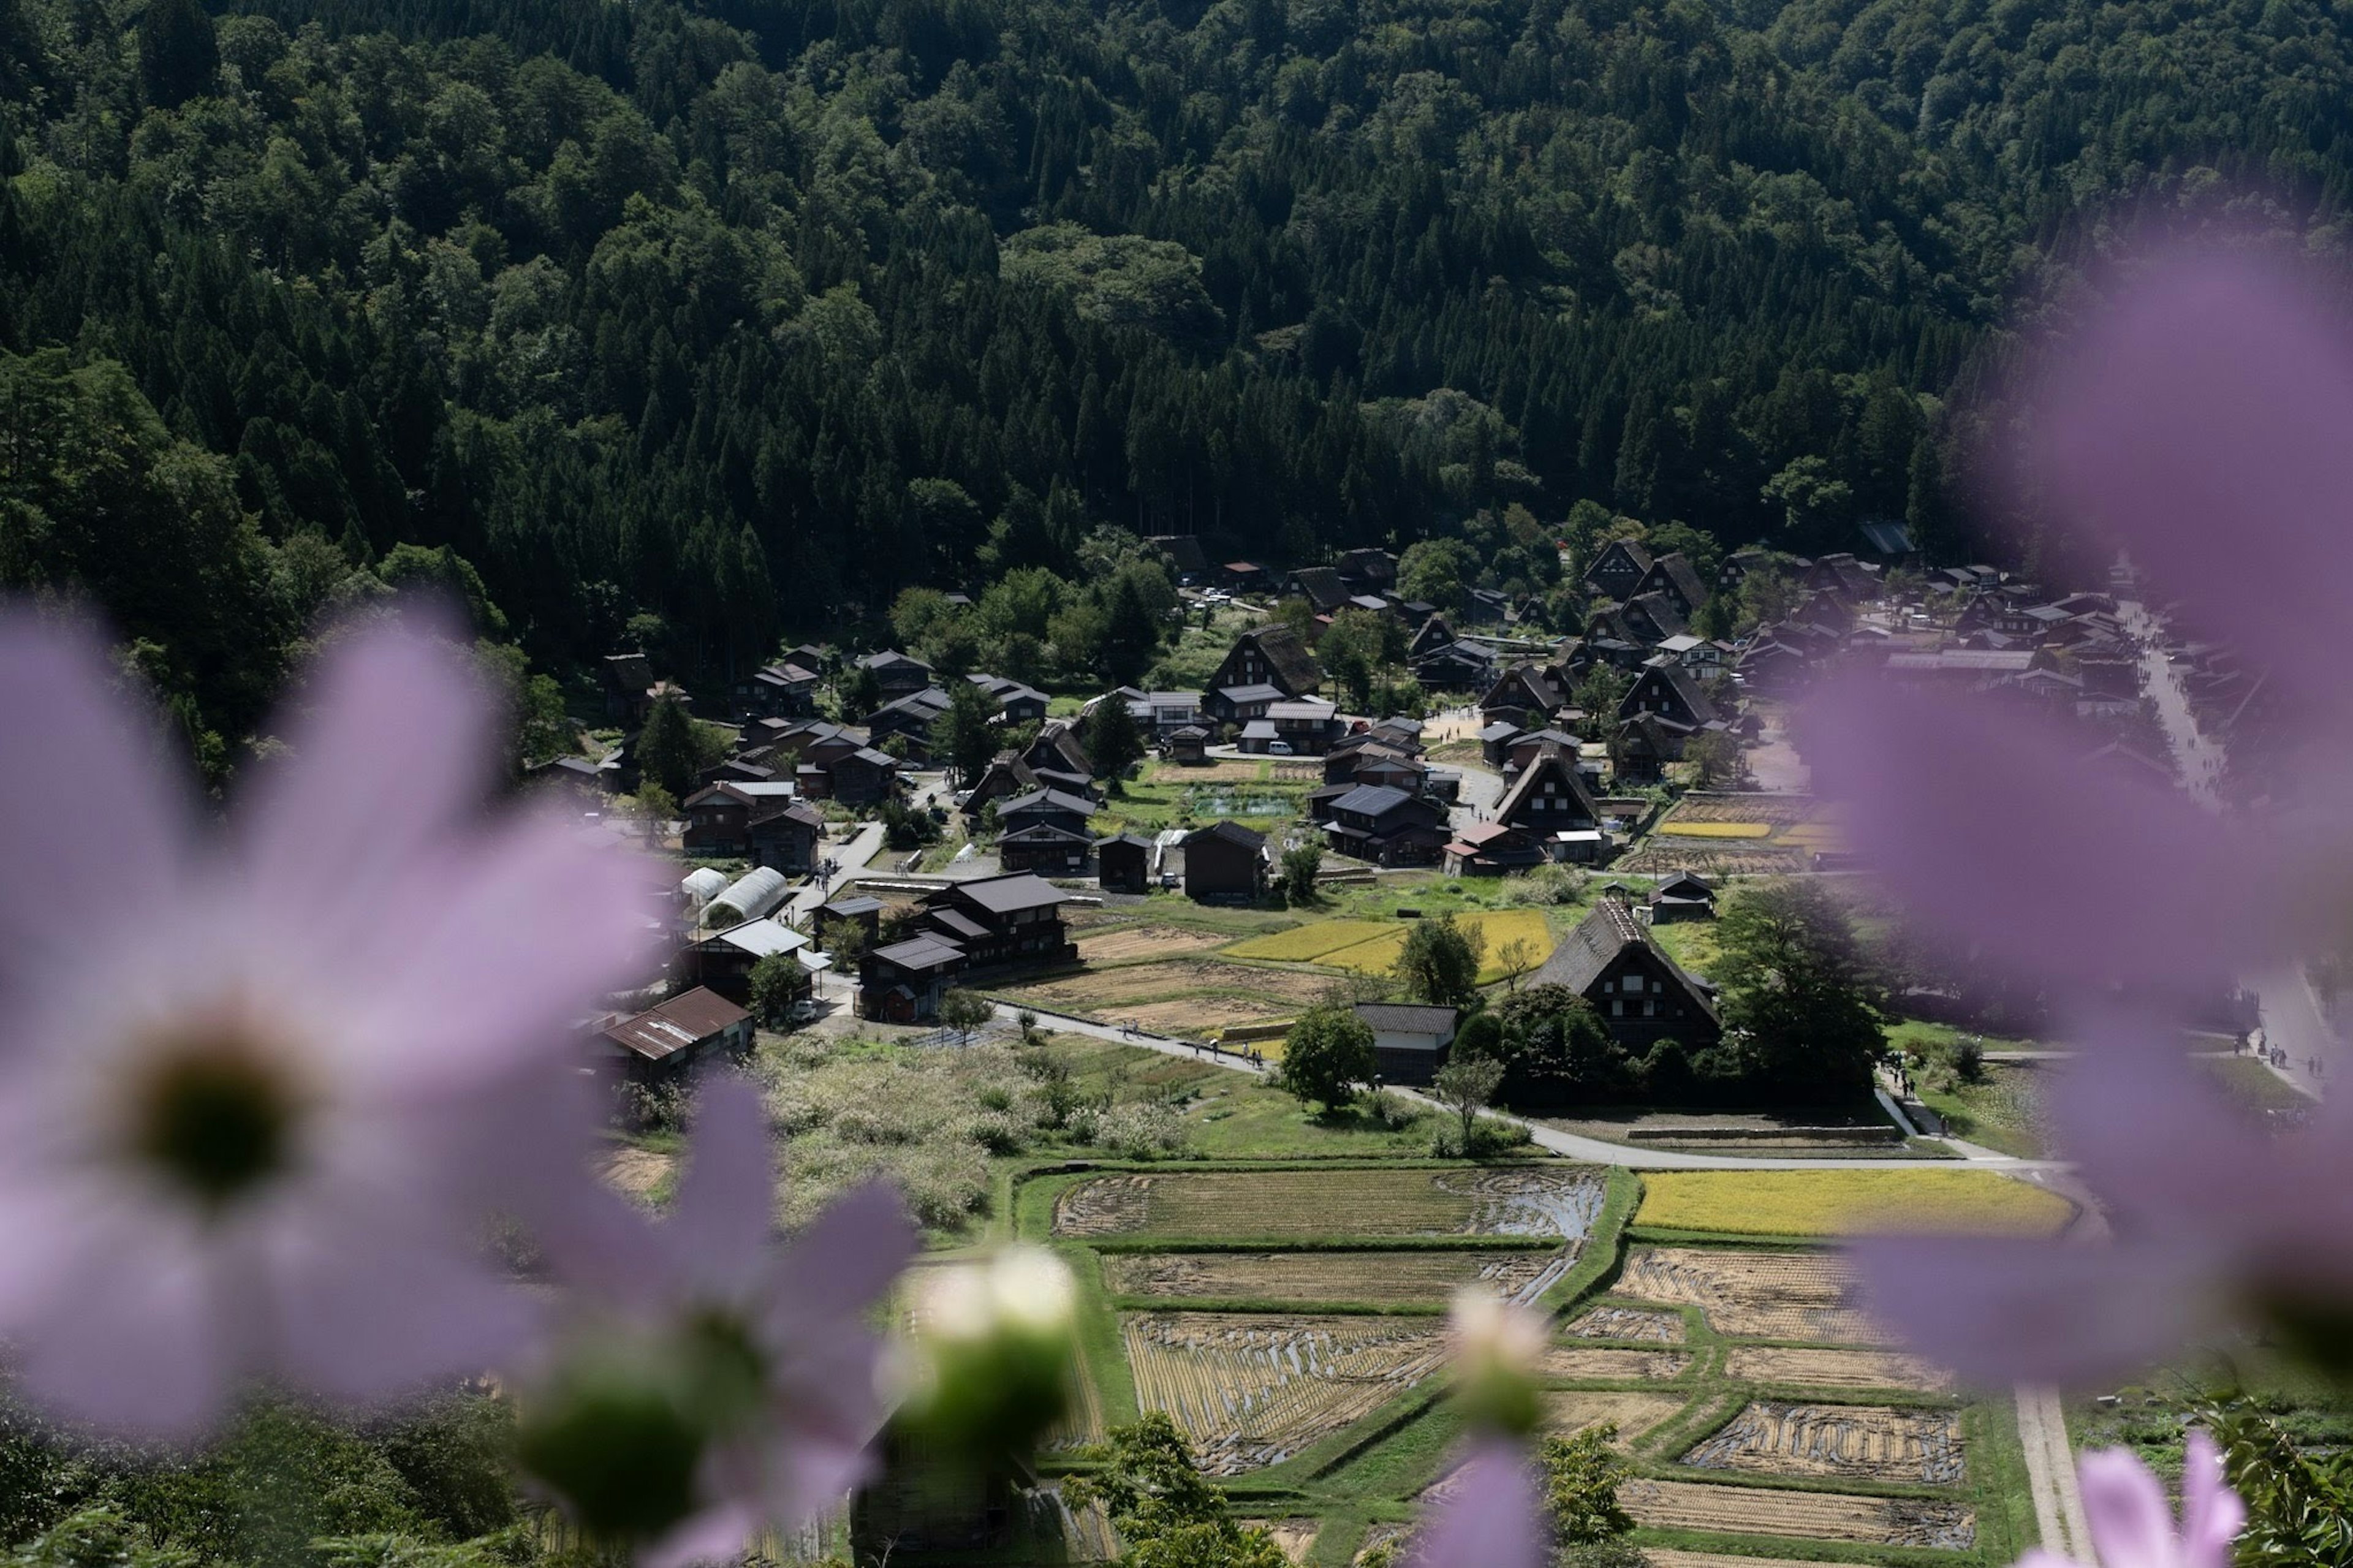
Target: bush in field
(1547, 885)
(1146, 1131)
(1300, 863)
(1581, 1478)
(1327, 1055)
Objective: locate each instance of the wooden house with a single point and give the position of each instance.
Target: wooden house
(998, 921)
(1410, 1041)
(1225, 863)
(1617, 569)
(1643, 995)
(1548, 802)
(903, 984)
(669, 1037)
(1387, 826)
(897, 674)
(1266, 665)
(1682, 897)
(1493, 849)
(1123, 863)
(1673, 579)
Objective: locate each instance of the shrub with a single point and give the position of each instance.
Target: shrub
(1547, 885)
(1146, 1131)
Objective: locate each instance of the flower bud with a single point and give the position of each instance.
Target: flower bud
(989, 1371)
(1498, 1350)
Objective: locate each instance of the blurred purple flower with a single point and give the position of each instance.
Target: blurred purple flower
(2197, 419)
(718, 1386)
(1492, 1515)
(256, 1098)
(2131, 1526)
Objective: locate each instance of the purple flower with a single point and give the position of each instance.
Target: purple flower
(2195, 419)
(2131, 1527)
(1492, 1515)
(258, 1095)
(714, 1385)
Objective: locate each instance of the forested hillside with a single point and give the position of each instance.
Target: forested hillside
(748, 313)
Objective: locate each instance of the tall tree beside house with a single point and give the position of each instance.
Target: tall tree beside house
(1802, 1003)
(1357, 648)
(1439, 962)
(669, 752)
(1114, 741)
(1716, 760)
(1436, 571)
(1465, 1086)
(777, 982)
(1327, 1056)
(1301, 864)
(1603, 687)
(964, 737)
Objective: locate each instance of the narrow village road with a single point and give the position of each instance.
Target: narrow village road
(2292, 1019)
(851, 857)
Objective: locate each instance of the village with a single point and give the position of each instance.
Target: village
(1076, 966)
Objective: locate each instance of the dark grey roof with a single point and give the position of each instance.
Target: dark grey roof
(1127, 838)
(1231, 832)
(1257, 691)
(1407, 1017)
(1000, 895)
(1677, 568)
(843, 909)
(1051, 799)
(1600, 938)
(1371, 800)
(1045, 833)
(921, 952)
(1322, 585)
(1293, 666)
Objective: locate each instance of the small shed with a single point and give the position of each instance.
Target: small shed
(1189, 745)
(1682, 897)
(1123, 863)
(1225, 863)
(864, 912)
(1410, 1041)
(669, 1037)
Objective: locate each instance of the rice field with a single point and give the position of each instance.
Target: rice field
(1605, 1362)
(1616, 1320)
(1303, 1205)
(1755, 1295)
(1252, 1389)
(1384, 1279)
(1740, 805)
(1633, 1412)
(1841, 1442)
(1845, 1203)
(1303, 944)
(1675, 829)
(1819, 1516)
(1379, 955)
(1836, 1369)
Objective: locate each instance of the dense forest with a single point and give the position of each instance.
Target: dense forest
(747, 314)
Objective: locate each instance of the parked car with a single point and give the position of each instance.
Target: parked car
(1278, 749)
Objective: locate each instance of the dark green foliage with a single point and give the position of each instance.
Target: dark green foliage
(1439, 962)
(2299, 1498)
(1581, 1478)
(179, 55)
(964, 737)
(1801, 1003)
(1327, 1056)
(906, 827)
(669, 752)
(777, 982)
(1555, 1049)
(1113, 741)
(1301, 864)
(1167, 1513)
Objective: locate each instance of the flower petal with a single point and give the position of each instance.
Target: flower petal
(391, 752)
(714, 1535)
(1999, 1310)
(2124, 1505)
(93, 808)
(130, 1334)
(725, 1214)
(1493, 1517)
(2211, 1513)
(1999, 832)
(2201, 417)
(846, 1258)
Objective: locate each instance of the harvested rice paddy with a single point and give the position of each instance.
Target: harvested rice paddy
(1845, 1203)
(1760, 1294)
(1384, 1279)
(1661, 1558)
(1838, 1442)
(1623, 1365)
(1616, 1320)
(1819, 1516)
(1634, 1412)
(1836, 1369)
(1141, 943)
(1252, 1389)
(1247, 1204)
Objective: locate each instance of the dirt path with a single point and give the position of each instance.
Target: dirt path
(2051, 1474)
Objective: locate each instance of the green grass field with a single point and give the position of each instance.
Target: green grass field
(2003, 1110)
(2255, 1085)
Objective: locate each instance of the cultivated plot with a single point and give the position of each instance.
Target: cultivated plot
(1836, 1369)
(1138, 944)
(1660, 1557)
(1842, 1442)
(1216, 1205)
(1845, 1203)
(1569, 1412)
(1384, 1278)
(1602, 1362)
(1616, 1320)
(1252, 1389)
(1817, 1516)
(1755, 1295)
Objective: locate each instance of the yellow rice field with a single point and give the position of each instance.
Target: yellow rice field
(1302, 943)
(1379, 955)
(1674, 829)
(1845, 1203)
